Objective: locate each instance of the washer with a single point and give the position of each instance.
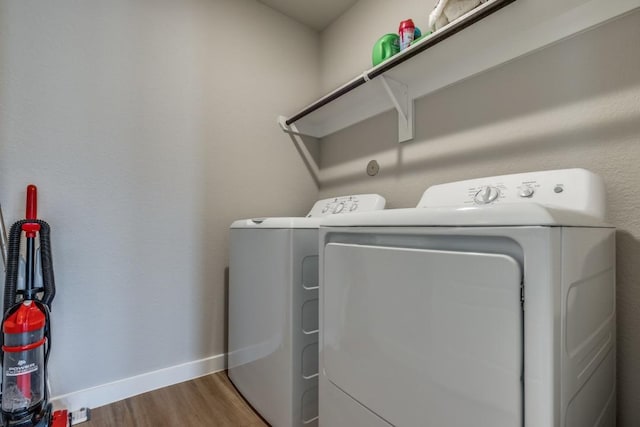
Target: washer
(273, 310)
(491, 304)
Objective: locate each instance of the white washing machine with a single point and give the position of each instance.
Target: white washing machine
(491, 304)
(273, 310)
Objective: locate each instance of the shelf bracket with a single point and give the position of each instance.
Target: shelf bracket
(403, 103)
(297, 139)
(291, 130)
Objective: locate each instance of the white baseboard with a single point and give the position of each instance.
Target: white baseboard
(104, 394)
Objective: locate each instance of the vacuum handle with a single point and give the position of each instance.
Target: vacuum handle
(30, 230)
(32, 202)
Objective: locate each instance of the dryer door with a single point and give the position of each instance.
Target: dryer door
(425, 337)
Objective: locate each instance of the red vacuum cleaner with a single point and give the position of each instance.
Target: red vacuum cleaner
(26, 327)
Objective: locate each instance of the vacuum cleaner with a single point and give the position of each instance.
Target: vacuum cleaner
(26, 327)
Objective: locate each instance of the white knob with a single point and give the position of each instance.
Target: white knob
(339, 208)
(526, 191)
(486, 195)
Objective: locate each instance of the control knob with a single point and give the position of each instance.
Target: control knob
(487, 194)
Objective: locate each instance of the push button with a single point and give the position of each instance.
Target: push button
(526, 192)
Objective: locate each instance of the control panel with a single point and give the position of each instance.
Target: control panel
(346, 204)
(570, 189)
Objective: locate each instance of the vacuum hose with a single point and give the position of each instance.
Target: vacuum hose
(3, 240)
(13, 263)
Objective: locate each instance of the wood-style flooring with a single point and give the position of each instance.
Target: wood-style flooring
(210, 401)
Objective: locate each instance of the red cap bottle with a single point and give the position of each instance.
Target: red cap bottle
(406, 31)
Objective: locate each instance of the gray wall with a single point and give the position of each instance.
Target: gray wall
(574, 104)
(148, 125)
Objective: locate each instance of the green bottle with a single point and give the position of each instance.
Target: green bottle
(386, 46)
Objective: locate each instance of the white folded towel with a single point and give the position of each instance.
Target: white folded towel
(447, 11)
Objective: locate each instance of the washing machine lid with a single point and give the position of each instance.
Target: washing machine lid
(333, 206)
(277, 223)
(530, 214)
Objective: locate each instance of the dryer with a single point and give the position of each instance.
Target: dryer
(491, 304)
(273, 310)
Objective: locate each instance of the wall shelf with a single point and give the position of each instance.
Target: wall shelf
(447, 57)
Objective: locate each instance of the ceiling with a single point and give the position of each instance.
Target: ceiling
(317, 14)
